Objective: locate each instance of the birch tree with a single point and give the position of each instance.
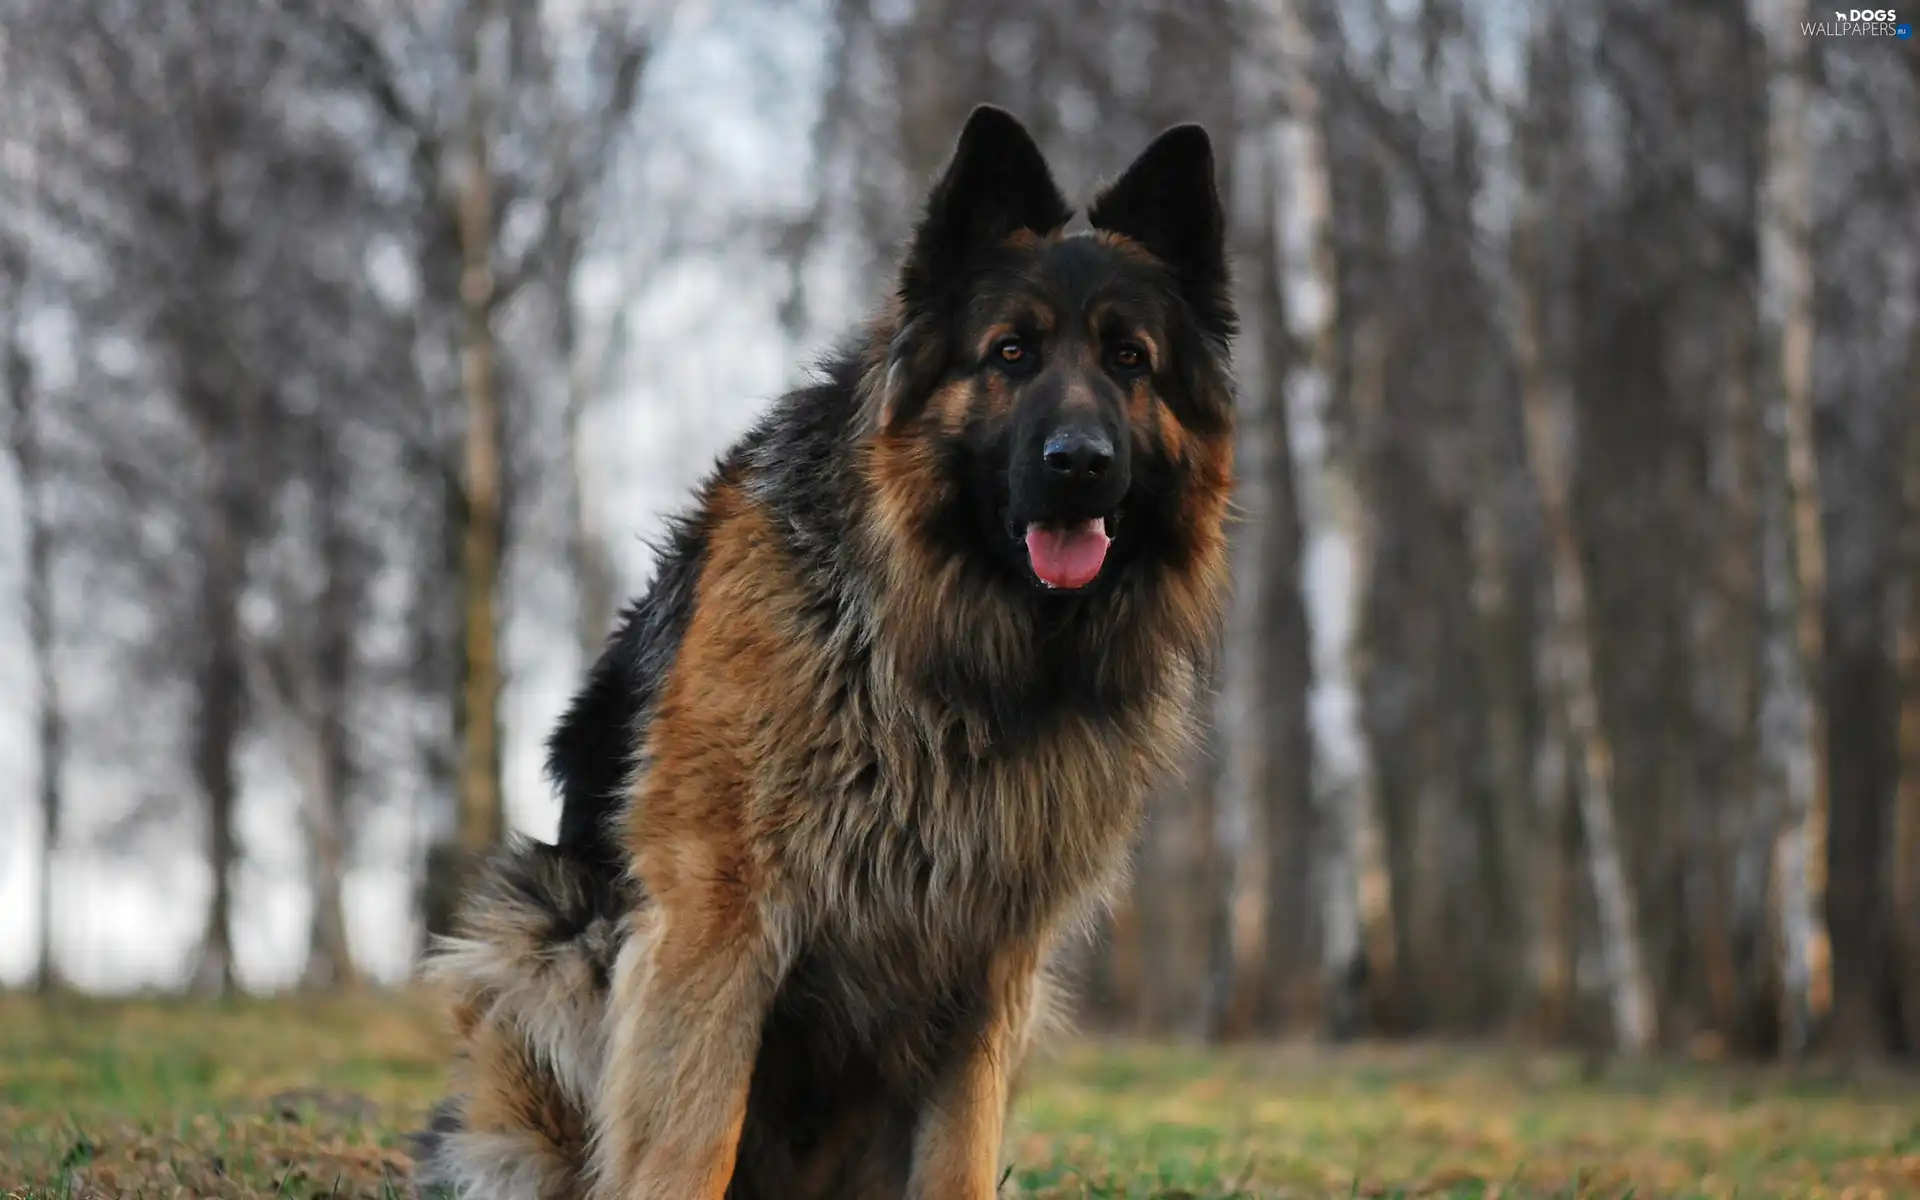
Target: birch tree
(1344, 800)
(1266, 778)
(482, 810)
(1546, 410)
(1794, 562)
(1906, 818)
(1630, 994)
(308, 679)
(1244, 811)
(336, 759)
(26, 417)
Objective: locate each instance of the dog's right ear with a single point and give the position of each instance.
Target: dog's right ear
(996, 184)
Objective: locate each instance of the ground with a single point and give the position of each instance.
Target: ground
(312, 1098)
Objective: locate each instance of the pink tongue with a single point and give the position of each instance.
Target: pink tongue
(1070, 557)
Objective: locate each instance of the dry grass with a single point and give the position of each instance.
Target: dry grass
(312, 1098)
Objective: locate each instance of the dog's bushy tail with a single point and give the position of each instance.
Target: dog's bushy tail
(526, 970)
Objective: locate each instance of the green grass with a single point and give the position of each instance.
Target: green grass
(311, 1098)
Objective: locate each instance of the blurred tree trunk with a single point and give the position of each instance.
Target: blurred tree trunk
(1546, 409)
(1860, 380)
(329, 953)
(1338, 806)
(1738, 935)
(1795, 562)
(1380, 797)
(329, 956)
(1203, 898)
(1244, 823)
(460, 480)
(1361, 679)
(515, 137)
(230, 425)
(30, 470)
(1630, 993)
(1552, 950)
(1538, 315)
(1301, 851)
(1906, 818)
(220, 704)
(482, 814)
(1504, 662)
(435, 609)
(1175, 895)
(1264, 810)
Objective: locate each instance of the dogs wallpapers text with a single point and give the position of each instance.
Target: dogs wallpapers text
(879, 733)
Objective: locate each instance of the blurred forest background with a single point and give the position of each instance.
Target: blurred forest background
(351, 349)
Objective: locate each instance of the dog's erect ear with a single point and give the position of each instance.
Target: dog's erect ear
(996, 184)
(1167, 201)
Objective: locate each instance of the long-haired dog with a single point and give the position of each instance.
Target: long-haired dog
(879, 733)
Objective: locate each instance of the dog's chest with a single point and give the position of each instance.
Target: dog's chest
(962, 855)
(913, 897)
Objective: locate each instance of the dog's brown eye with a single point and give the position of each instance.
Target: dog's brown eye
(1011, 351)
(1129, 356)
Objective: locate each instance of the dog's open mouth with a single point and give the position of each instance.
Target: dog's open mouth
(1068, 556)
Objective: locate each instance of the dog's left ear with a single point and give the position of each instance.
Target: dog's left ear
(1167, 201)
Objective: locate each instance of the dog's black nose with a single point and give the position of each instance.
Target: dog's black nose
(1079, 454)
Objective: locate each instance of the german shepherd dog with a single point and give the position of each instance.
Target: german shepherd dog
(877, 737)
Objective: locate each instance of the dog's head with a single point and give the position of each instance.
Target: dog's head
(1060, 387)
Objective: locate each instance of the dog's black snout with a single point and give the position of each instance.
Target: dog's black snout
(1080, 454)
(1070, 456)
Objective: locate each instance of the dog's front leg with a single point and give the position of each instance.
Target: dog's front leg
(956, 1146)
(688, 1000)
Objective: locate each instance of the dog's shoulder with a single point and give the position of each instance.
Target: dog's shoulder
(590, 755)
(793, 462)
